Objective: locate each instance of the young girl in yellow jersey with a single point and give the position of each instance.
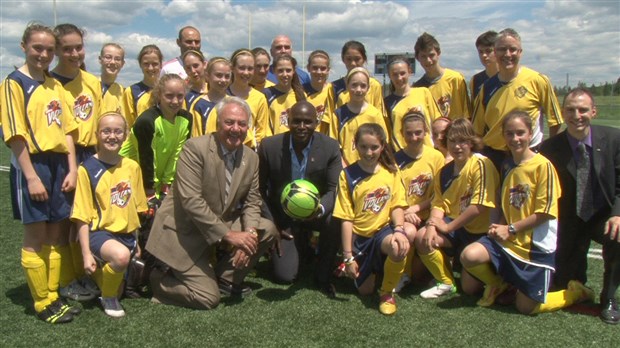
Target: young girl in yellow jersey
(354, 56)
(521, 249)
(464, 195)
(357, 111)
(108, 198)
(242, 61)
(284, 94)
(112, 59)
(38, 126)
(194, 65)
(370, 204)
(204, 117)
(262, 62)
(404, 98)
(419, 165)
(159, 134)
(318, 89)
(136, 97)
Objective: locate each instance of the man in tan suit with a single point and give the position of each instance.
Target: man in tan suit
(214, 203)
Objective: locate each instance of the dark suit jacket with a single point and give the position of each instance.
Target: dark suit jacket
(606, 160)
(322, 169)
(194, 215)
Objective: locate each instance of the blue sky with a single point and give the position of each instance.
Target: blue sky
(579, 38)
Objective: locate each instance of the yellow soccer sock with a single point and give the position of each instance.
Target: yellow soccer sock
(67, 275)
(392, 271)
(409, 262)
(36, 276)
(76, 257)
(436, 264)
(111, 281)
(98, 277)
(53, 272)
(485, 273)
(557, 300)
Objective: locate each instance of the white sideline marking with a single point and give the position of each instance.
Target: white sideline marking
(4, 168)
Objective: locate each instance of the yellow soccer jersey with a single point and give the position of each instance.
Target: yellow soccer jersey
(368, 199)
(112, 98)
(345, 123)
(450, 94)
(36, 111)
(279, 105)
(324, 104)
(530, 91)
(373, 97)
(529, 188)
(420, 99)
(419, 174)
(84, 94)
(260, 117)
(204, 116)
(109, 197)
(266, 84)
(135, 101)
(477, 183)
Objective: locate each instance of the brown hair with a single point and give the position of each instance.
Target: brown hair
(64, 29)
(150, 49)
(462, 130)
(386, 159)
(424, 42)
(414, 116)
(518, 114)
(298, 89)
(161, 84)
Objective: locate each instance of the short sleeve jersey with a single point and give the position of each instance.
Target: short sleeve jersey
(373, 97)
(449, 92)
(324, 104)
(112, 100)
(280, 103)
(135, 101)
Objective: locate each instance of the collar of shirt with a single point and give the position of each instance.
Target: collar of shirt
(573, 142)
(298, 170)
(225, 152)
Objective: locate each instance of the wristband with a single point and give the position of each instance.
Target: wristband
(401, 232)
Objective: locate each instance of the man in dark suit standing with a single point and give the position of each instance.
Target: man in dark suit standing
(301, 153)
(214, 203)
(587, 159)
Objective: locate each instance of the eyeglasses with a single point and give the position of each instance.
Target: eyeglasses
(109, 131)
(503, 49)
(109, 58)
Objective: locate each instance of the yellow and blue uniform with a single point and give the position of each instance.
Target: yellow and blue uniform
(475, 84)
(530, 91)
(419, 99)
(280, 103)
(260, 117)
(324, 104)
(260, 87)
(345, 123)
(374, 96)
(450, 93)
(419, 174)
(158, 143)
(204, 116)
(112, 100)
(135, 101)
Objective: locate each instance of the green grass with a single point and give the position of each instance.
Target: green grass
(278, 315)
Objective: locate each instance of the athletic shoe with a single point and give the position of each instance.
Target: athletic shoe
(387, 304)
(228, 289)
(52, 314)
(75, 291)
(65, 307)
(491, 293)
(112, 307)
(439, 290)
(404, 280)
(587, 294)
(89, 284)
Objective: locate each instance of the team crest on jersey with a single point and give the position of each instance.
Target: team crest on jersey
(120, 194)
(419, 184)
(320, 111)
(83, 107)
(465, 200)
(53, 112)
(520, 92)
(284, 118)
(376, 200)
(519, 194)
(444, 104)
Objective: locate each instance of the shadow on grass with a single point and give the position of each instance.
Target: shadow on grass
(20, 296)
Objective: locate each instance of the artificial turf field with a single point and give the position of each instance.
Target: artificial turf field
(297, 315)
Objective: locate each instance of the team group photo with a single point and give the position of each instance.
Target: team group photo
(284, 189)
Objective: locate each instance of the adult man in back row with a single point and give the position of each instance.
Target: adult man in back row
(281, 45)
(587, 160)
(189, 39)
(214, 203)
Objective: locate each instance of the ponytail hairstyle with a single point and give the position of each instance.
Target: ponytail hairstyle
(64, 29)
(397, 60)
(358, 70)
(235, 57)
(319, 53)
(354, 45)
(298, 89)
(194, 53)
(211, 65)
(414, 115)
(31, 29)
(386, 159)
(159, 87)
(115, 45)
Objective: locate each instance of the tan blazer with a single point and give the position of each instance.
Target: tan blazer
(194, 215)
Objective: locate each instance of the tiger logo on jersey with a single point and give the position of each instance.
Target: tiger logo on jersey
(518, 195)
(83, 107)
(376, 200)
(53, 112)
(320, 111)
(120, 194)
(419, 184)
(465, 200)
(284, 118)
(444, 104)
(520, 92)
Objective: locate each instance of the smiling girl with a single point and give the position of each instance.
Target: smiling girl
(318, 89)
(284, 94)
(136, 97)
(194, 65)
(112, 59)
(203, 113)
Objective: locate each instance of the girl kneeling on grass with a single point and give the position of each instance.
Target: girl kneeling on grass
(521, 250)
(108, 198)
(370, 202)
